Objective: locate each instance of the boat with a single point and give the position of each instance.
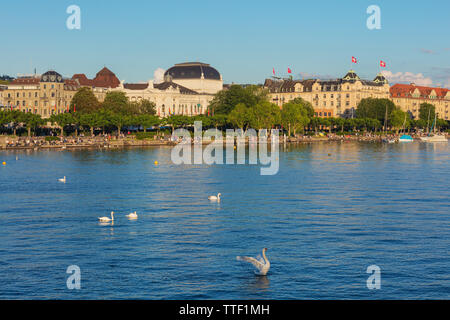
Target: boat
(406, 138)
(435, 137)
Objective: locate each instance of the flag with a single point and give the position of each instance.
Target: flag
(74, 108)
(354, 60)
(289, 70)
(382, 64)
(273, 71)
(208, 112)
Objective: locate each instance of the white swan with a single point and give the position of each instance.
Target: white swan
(215, 198)
(132, 215)
(262, 264)
(106, 219)
(62, 180)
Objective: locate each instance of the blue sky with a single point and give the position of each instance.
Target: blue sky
(243, 39)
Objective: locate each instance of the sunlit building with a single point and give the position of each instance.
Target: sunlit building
(329, 98)
(187, 89)
(409, 97)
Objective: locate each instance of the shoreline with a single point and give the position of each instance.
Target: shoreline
(37, 143)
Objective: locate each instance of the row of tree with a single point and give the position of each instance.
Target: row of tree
(237, 107)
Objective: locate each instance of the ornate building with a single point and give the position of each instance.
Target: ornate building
(329, 98)
(409, 97)
(187, 89)
(44, 95)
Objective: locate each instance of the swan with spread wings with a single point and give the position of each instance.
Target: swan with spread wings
(260, 263)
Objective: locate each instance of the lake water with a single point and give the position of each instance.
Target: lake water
(332, 210)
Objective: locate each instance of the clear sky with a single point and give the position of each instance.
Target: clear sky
(243, 39)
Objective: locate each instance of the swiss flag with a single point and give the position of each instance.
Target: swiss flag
(289, 70)
(383, 64)
(354, 60)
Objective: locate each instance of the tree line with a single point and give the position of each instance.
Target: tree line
(238, 107)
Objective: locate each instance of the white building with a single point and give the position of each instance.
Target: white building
(187, 89)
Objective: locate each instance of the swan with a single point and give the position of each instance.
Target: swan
(215, 198)
(132, 215)
(262, 264)
(106, 219)
(62, 180)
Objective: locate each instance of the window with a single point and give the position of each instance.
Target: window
(347, 95)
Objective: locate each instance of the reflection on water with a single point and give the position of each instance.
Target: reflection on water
(332, 210)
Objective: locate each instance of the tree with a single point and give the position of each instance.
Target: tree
(426, 112)
(226, 100)
(117, 102)
(294, 116)
(264, 115)
(239, 117)
(399, 119)
(62, 120)
(84, 101)
(143, 106)
(118, 120)
(375, 108)
(147, 120)
(32, 121)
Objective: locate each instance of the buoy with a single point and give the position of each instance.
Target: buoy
(4, 163)
(156, 163)
(234, 147)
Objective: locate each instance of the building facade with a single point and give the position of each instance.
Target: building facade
(329, 98)
(409, 97)
(187, 89)
(44, 95)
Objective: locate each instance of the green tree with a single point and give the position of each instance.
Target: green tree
(143, 106)
(426, 112)
(147, 120)
(399, 119)
(375, 108)
(62, 120)
(32, 121)
(239, 117)
(84, 101)
(117, 102)
(226, 100)
(294, 116)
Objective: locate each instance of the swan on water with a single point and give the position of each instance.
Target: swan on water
(62, 180)
(262, 264)
(132, 215)
(107, 219)
(215, 198)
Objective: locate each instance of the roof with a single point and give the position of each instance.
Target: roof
(192, 70)
(135, 86)
(24, 81)
(167, 84)
(406, 90)
(105, 78)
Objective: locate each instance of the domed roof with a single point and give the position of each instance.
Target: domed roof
(192, 70)
(380, 79)
(351, 76)
(51, 76)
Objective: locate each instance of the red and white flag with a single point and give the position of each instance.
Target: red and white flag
(273, 71)
(289, 70)
(382, 64)
(354, 60)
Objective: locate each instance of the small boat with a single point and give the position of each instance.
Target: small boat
(434, 138)
(406, 138)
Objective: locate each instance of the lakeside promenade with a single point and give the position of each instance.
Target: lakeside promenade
(108, 141)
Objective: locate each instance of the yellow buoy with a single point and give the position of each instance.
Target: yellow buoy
(4, 163)
(156, 163)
